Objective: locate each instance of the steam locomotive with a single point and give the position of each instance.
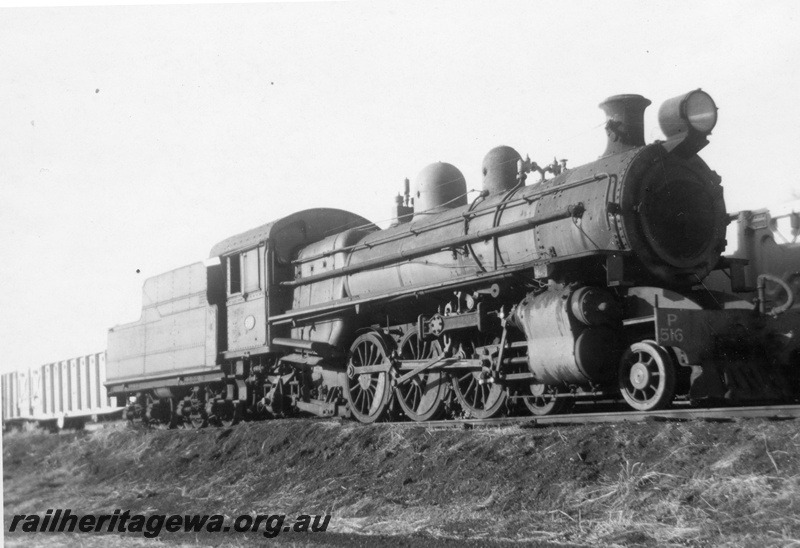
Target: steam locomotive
(586, 284)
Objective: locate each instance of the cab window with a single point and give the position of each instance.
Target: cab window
(234, 274)
(251, 270)
(244, 272)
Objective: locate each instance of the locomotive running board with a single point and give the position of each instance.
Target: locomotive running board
(322, 348)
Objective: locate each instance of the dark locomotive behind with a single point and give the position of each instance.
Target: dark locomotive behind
(528, 297)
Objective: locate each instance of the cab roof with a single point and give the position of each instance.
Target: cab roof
(319, 223)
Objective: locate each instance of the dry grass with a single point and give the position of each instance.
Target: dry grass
(637, 485)
(672, 510)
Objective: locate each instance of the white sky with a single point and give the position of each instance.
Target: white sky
(135, 138)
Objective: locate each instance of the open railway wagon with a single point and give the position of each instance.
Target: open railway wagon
(550, 286)
(63, 394)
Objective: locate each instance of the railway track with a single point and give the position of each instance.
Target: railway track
(718, 414)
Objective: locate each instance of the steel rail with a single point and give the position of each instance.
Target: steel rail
(719, 414)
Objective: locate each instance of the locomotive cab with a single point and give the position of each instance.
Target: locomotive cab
(256, 263)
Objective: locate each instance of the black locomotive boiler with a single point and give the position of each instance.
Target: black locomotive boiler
(586, 284)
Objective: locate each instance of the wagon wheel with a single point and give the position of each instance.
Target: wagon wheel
(177, 420)
(422, 397)
(162, 409)
(198, 420)
(231, 414)
(541, 400)
(647, 377)
(480, 399)
(198, 417)
(368, 394)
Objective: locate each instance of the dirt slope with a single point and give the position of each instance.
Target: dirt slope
(646, 484)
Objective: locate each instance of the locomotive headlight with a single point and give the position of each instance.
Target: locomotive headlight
(686, 120)
(700, 111)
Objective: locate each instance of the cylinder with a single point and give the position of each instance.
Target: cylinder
(562, 349)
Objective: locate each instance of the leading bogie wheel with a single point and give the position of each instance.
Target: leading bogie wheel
(368, 394)
(647, 376)
(422, 397)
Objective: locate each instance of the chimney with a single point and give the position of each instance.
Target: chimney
(624, 122)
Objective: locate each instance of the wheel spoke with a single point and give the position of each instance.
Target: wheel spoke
(420, 398)
(471, 387)
(368, 394)
(485, 390)
(366, 402)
